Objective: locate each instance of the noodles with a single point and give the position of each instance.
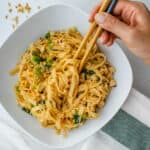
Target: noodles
(51, 88)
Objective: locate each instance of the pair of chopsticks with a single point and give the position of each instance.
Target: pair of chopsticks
(107, 6)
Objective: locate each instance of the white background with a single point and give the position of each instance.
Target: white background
(141, 75)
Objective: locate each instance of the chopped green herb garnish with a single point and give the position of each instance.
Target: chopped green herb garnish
(78, 118)
(47, 35)
(49, 63)
(17, 88)
(94, 61)
(34, 53)
(26, 110)
(34, 85)
(88, 72)
(36, 59)
(32, 105)
(49, 40)
(50, 47)
(38, 70)
(73, 29)
(83, 118)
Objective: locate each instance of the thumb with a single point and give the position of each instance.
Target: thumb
(113, 25)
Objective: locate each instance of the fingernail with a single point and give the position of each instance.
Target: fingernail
(100, 18)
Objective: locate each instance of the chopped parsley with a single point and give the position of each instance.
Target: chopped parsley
(87, 72)
(90, 72)
(50, 47)
(17, 88)
(48, 63)
(49, 40)
(36, 59)
(38, 70)
(26, 110)
(47, 35)
(32, 105)
(73, 29)
(78, 118)
(34, 85)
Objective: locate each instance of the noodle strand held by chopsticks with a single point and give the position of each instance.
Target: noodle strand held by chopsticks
(93, 27)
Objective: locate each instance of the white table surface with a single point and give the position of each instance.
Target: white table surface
(140, 70)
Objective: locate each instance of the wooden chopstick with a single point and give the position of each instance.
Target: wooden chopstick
(92, 43)
(103, 8)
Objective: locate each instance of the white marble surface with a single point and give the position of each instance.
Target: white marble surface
(141, 71)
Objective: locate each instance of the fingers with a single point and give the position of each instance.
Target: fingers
(104, 37)
(131, 12)
(113, 25)
(111, 40)
(121, 6)
(94, 11)
(107, 38)
(117, 10)
(121, 9)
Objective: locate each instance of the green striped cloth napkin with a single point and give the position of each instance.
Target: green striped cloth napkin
(129, 129)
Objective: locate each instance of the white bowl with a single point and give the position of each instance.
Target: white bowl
(57, 17)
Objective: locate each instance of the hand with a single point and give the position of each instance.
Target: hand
(130, 22)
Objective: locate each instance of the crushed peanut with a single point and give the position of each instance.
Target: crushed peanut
(10, 10)
(27, 8)
(13, 26)
(16, 20)
(6, 17)
(20, 8)
(9, 4)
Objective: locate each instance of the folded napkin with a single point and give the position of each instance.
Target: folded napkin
(129, 129)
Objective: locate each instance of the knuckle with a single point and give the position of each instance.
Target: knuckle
(142, 4)
(110, 22)
(132, 35)
(138, 6)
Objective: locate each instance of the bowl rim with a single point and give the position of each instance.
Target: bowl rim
(63, 4)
